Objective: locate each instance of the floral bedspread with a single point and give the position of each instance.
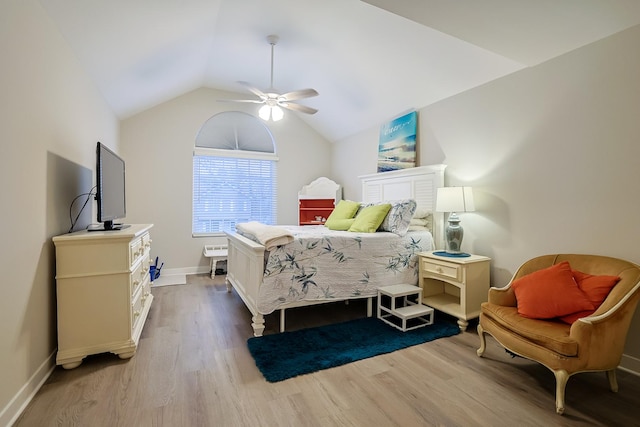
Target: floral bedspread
(321, 264)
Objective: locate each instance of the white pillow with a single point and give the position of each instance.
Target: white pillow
(418, 228)
(399, 216)
(423, 222)
(422, 212)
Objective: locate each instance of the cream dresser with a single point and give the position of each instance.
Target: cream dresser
(103, 292)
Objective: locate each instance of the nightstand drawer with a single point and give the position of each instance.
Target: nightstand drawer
(442, 269)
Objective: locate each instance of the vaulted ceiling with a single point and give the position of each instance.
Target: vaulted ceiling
(369, 60)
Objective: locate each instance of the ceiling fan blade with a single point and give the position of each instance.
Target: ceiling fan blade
(253, 101)
(272, 98)
(298, 94)
(298, 107)
(254, 90)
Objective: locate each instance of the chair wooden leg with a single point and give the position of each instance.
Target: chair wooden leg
(561, 382)
(613, 381)
(483, 341)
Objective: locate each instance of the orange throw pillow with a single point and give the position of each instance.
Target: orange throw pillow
(549, 293)
(596, 288)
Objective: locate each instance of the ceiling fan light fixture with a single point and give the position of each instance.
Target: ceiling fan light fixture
(276, 113)
(264, 112)
(272, 112)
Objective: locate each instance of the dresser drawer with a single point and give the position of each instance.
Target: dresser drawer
(146, 242)
(140, 300)
(137, 277)
(136, 250)
(136, 310)
(443, 269)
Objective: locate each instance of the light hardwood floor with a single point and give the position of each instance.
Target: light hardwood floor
(193, 368)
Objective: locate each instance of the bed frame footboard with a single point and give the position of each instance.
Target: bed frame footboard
(245, 268)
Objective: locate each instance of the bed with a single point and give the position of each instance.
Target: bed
(320, 266)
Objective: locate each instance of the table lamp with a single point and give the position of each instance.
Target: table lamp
(453, 200)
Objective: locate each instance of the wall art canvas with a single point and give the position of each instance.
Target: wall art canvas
(397, 144)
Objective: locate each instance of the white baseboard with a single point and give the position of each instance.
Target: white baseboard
(169, 280)
(177, 276)
(630, 364)
(14, 408)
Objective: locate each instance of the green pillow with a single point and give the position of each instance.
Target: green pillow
(345, 209)
(370, 218)
(340, 224)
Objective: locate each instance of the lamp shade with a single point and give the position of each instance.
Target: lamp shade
(454, 199)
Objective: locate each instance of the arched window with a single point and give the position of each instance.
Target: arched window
(234, 174)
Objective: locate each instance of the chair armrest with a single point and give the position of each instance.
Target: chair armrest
(606, 331)
(502, 296)
(602, 340)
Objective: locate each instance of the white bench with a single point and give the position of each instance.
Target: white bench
(215, 253)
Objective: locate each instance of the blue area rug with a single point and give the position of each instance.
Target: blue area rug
(289, 354)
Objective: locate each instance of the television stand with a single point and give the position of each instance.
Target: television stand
(114, 227)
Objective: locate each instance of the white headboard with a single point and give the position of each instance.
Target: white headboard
(418, 183)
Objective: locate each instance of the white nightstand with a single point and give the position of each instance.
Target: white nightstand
(455, 285)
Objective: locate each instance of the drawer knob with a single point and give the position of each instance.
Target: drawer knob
(439, 270)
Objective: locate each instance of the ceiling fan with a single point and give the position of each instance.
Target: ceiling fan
(273, 100)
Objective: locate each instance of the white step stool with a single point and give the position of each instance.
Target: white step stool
(420, 315)
(215, 253)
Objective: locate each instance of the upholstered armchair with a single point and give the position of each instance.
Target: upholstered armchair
(591, 343)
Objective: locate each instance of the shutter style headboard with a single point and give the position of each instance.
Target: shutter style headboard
(419, 183)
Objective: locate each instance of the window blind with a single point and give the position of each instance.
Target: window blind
(228, 190)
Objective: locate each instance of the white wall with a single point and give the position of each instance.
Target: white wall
(157, 146)
(552, 153)
(51, 117)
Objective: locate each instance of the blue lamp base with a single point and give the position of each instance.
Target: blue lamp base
(453, 234)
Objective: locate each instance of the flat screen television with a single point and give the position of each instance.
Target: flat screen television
(110, 193)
